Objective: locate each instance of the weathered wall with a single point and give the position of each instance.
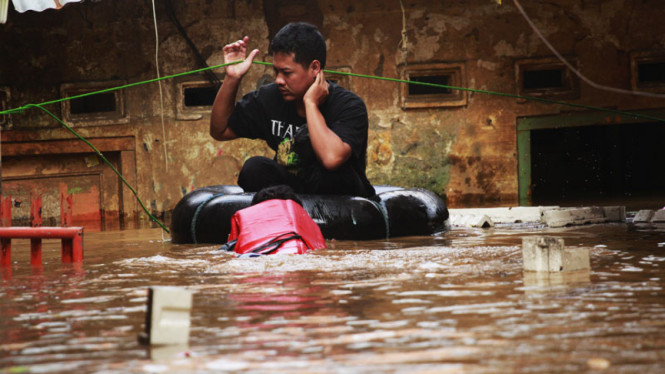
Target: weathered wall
(467, 154)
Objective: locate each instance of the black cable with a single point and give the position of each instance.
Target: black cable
(202, 62)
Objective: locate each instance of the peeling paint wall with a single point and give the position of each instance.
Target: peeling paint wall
(467, 154)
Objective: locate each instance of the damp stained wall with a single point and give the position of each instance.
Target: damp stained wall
(466, 153)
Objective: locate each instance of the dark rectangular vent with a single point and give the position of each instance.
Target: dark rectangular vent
(98, 103)
(651, 72)
(436, 92)
(543, 79)
(546, 77)
(420, 89)
(93, 103)
(200, 96)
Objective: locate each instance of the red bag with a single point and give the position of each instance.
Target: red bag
(275, 226)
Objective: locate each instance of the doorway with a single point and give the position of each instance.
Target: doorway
(578, 160)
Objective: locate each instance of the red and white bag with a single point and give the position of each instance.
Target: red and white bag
(275, 226)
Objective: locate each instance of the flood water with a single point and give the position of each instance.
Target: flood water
(456, 302)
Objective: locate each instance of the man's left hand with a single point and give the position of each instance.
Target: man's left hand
(318, 91)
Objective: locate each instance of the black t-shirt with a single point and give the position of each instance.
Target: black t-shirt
(264, 114)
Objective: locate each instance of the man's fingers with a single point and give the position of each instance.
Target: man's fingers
(238, 44)
(252, 54)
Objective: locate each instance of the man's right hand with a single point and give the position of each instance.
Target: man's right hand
(236, 52)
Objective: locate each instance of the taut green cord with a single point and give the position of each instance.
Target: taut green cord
(153, 218)
(623, 113)
(531, 98)
(39, 106)
(19, 109)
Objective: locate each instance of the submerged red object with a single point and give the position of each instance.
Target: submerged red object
(275, 226)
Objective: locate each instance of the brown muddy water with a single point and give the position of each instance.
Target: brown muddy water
(457, 302)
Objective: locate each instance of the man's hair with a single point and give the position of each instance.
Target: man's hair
(279, 192)
(303, 40)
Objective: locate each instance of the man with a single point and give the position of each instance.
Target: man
(317, 128)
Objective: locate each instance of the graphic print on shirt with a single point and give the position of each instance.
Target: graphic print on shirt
(283, 130)
(286, 155)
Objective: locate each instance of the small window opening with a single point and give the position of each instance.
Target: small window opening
(431, 86)
(196, 95)
(651, 72)
(543, 79)
(421, 89)
(200, 96)
(96, 109)
(546, 77)
(98, 103)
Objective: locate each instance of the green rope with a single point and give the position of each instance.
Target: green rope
(495, 93)
(104, 159)
(20, 109)
(531, 98)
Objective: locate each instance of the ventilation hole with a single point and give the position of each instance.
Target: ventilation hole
(98, 103)
(543, 79)
(200, 96)
(417, 89)
(649, 72)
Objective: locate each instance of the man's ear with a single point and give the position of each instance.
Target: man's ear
(315, 66)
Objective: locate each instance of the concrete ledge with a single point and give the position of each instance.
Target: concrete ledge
(519, 214)
(615, 213)
(552, 216)
(469, 220)
(658, 216)
(573, 216)
(643, 216)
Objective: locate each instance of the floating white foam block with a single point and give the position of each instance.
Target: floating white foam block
(548, 254)
(168, 316)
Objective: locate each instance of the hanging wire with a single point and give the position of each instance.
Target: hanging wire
(577, 72)
(98, 153)
(161, 95)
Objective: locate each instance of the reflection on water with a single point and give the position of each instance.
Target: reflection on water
(455, 302)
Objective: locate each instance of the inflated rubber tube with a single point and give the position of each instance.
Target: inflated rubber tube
(413, 211)
(204, 215)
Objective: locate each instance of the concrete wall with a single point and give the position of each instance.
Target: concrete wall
(467, 153)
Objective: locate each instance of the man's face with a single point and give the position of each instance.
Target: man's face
(291, 78)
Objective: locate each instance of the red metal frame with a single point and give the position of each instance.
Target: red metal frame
(36, 211)
(6, 211)
(72, 242)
